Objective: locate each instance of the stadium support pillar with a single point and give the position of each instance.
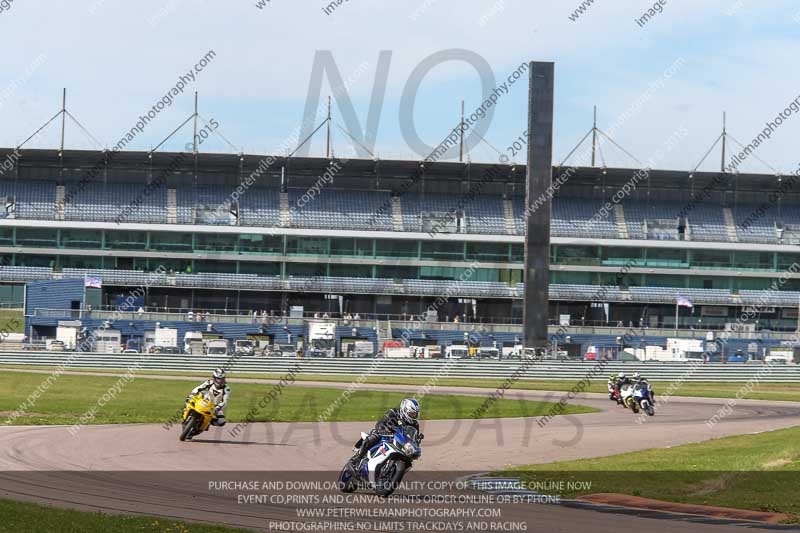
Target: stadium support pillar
(537, 223)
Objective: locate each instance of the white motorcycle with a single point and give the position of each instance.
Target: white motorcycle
(385, 464)
(626, 394)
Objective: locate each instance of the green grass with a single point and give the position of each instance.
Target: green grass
(70, 396)
(763, 391)
(21, 517)
(12, 320)
(757, 472)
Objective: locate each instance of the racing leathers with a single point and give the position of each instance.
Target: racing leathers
(387, 425)
(220, 397)
(619, 383)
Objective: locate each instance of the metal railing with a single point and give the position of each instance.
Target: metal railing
(420, 368)
(402, 322)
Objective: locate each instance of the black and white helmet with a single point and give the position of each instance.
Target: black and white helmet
(621, 375)
(637, 376)
(219, 378)
(409, 410)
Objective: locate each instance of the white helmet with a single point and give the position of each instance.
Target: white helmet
(219, 378)
(409, 410)
(621, 375)
(637, 376)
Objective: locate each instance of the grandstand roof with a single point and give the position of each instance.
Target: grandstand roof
(127, 166)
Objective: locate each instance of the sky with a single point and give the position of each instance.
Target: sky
(660, 85)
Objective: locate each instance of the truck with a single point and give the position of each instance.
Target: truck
(193, 343)
(488, 352)
(218, 347)
(107, 340)
(358, 348)
(67, 333)
(281, 350)
(244, 347)
(322, 339)
(395, 352)
(166, 337)
(456, 351)
(511, 350)
(429, 351)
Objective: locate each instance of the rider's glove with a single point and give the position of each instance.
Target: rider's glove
(421, 436)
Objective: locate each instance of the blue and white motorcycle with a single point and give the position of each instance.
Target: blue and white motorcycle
(643, 396)
(385, 464)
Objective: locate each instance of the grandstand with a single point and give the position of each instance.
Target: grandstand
(386, 239)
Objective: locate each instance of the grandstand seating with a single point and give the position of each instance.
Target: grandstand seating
(707, 223)
(341, 209)
(571, 217)
(372, 210)
(124, 201)
(259, 207)
(188, 199)
(34, 199)
(482, 213)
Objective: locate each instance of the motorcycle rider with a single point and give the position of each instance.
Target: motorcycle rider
(637, 378)
(621, 381)
(406, 414)
(220, 392)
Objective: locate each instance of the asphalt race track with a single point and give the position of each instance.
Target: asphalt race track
(143, 468)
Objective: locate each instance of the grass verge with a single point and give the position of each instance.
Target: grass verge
(758, 472)
(700, 389)
(69, 397)
(21, 517)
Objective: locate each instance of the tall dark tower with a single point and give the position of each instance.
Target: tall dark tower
(537, 224)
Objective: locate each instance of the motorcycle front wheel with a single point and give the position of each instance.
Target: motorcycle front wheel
(389, 477)
(188, 426)
(648, 408)
(634, 406)
(347, 482)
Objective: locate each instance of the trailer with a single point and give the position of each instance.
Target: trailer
(322, 339)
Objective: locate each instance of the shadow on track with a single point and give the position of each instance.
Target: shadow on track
(240, 442)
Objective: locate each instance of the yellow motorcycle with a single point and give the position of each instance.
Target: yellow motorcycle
(197, 415)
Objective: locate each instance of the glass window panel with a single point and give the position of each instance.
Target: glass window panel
(307, 246)
(126, 240)
(219, 267)
(487, 251)
(260, 268)
(397, 248)
(453, 251)
(351, 271)
(261, 244)
(42, 237)
(215, 243)
(171, 241)
(80, 238)
(7, 236)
